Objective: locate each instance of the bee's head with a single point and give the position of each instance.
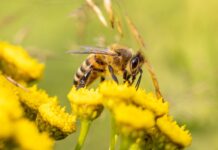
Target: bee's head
(136, 63)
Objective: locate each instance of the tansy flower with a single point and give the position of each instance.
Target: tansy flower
(53, 119)
(6, 127)
(132, 120)
(175, 133)
(158, 141)
(5, 83)
(149, 101)
(26, 136)
(17, 63)
(86, 104)
(32, 99)
(112, 89)
(114, 94)
(9, 102)
(10, 109)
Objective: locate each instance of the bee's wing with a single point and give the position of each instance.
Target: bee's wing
(93, 50)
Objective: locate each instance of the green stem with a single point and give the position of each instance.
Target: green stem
(113, 136)
(85, 124)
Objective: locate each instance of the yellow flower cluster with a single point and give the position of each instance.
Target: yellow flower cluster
(136, 113)
(16, 132)
(53, 119)
(115, 94)
(30, 102)
(142, 112)
(16, 62)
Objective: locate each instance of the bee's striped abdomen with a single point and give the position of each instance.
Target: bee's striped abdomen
(93, 63)
(85, 67)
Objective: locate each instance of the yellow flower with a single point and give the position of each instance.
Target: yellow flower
(32, 99)
(4, 82)
(131, 118)
(149, 101)
(10, 108)
(115, 94)
(53, 119)
(175, 133)
(6, 126)
(86, 104)
(27, 136)
(9, 102)
(17, 63)
(121, 91)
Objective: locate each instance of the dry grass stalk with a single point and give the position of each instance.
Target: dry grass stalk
(98, 12)
(108, 7)
(135, 32)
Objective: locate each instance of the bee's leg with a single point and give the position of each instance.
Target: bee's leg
(126, 77)
(111, 70)
(102, 79)
(83, 80)
(139, 79)
(133, 79)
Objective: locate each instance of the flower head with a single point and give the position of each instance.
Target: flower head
(6, 127)
(112, 89)
(115, 94)
(151, 102)
(175, 133)
(53, 119)
(131, 119)
(17, 63)
(26, 136)
(32, 99)
(9, 103)
(140, 115)
(86, 104)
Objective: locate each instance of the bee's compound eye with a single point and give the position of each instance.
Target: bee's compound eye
(134, 63)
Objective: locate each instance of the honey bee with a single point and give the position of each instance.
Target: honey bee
(115, 60)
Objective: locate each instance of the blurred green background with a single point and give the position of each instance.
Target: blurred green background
(182, 45)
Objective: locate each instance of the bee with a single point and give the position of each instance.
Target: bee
(115, 60)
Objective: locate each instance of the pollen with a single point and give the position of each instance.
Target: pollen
(174, 132)
(17, 63)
